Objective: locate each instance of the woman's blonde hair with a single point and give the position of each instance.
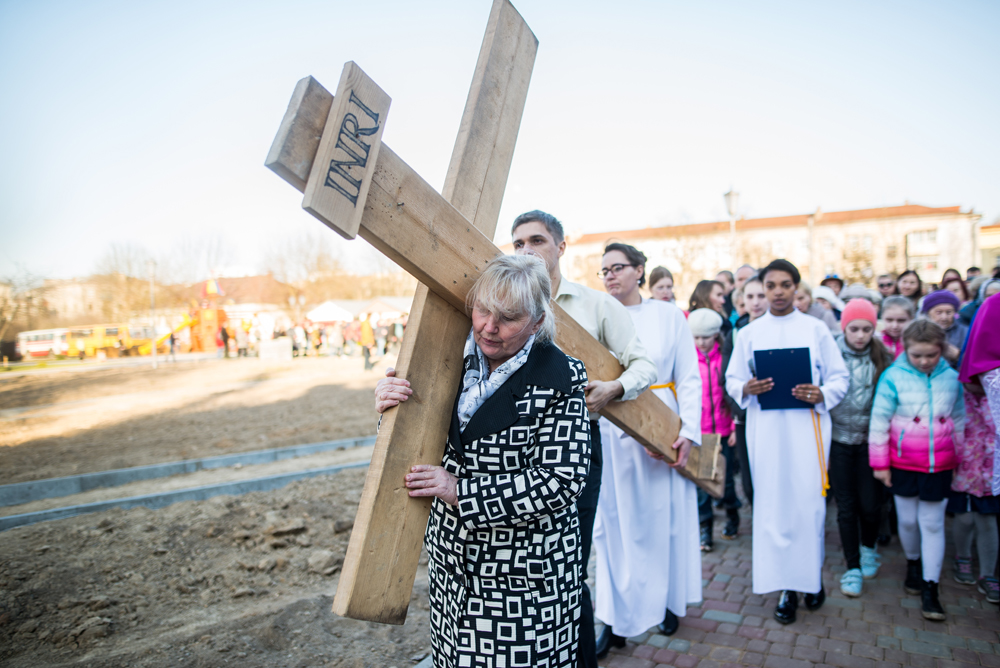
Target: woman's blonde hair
(514, 286)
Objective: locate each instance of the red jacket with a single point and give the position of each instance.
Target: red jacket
(715, 416)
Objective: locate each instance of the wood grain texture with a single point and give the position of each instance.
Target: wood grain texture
(294, 148)
(348, 152)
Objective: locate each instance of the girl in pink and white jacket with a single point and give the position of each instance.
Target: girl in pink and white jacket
(918, 416)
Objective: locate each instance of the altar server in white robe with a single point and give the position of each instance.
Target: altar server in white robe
(646, 532)
(787, 455)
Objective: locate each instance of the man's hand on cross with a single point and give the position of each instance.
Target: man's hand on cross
(683, 447)
(601, 392)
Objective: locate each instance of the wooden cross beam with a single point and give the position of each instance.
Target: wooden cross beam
(329, 147)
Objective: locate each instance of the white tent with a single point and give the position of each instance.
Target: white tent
(330, 312)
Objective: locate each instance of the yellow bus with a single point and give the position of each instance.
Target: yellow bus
(115, 340)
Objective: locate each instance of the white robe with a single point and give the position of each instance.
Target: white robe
(789, 511)
(646, 530)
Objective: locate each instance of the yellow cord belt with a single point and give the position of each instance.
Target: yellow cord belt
(665, 386)
(818, 431)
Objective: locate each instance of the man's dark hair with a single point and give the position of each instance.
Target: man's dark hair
(781, 265)
(973, 269)
(632, 254)
(550, 222)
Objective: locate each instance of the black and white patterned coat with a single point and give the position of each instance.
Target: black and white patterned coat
(504, 565)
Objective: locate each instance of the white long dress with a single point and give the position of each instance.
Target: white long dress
(646, 531)
(789, 511)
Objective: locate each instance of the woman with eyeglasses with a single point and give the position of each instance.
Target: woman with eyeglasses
(637, 485)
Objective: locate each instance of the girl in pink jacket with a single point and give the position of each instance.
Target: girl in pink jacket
(706, 326)
(917, 417)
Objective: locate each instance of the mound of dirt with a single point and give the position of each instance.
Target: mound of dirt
(242, 581)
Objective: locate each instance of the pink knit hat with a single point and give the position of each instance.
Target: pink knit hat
(858, 309)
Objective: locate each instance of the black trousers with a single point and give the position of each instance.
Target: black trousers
(586, 507)
(859, 498)
(744, 457)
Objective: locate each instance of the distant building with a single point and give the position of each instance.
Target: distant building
(73, 299)
(989, 247)
(856, 245)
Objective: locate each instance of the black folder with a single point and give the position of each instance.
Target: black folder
(787, 367)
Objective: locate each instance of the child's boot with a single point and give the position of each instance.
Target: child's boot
(732, 528)
(706, 536)
(929, 604)
(914, 583)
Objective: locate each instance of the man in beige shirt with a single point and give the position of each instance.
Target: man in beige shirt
(541, 234)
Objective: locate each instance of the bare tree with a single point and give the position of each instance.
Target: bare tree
(21, 304)
(311, 265)
(122, 276)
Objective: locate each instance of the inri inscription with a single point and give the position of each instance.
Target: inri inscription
(347, 168)
(338, 182)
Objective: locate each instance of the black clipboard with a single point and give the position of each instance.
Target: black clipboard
(787, 367)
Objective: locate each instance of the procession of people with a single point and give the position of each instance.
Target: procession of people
(882, 400)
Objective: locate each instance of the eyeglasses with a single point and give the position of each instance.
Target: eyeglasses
(614, 270)
(886, 285)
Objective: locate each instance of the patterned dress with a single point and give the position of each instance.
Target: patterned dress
(974, 474)
(504, 565)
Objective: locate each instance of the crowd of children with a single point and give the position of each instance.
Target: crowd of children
(909, 434)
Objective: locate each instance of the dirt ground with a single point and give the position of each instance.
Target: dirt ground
(243, 580)
(65, 423)
(231, 581)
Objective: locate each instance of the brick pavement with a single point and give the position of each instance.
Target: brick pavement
(884, 627)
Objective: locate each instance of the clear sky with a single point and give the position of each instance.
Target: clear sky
(149, 122)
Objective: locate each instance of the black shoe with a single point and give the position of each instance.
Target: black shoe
(788, 602)
(706, 536)
(815, 601)
(732, 528)
(670, 624)
(929, 604)
(606, 641)
(914, 583)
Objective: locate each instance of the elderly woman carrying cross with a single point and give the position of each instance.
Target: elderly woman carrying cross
(503, 536)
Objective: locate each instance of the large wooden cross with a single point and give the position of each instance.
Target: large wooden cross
(329, 147)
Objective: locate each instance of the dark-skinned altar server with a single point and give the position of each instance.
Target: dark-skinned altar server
(646, 533)
(788, 448)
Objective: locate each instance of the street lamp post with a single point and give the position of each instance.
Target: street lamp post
(732, 200)
(152, 306)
